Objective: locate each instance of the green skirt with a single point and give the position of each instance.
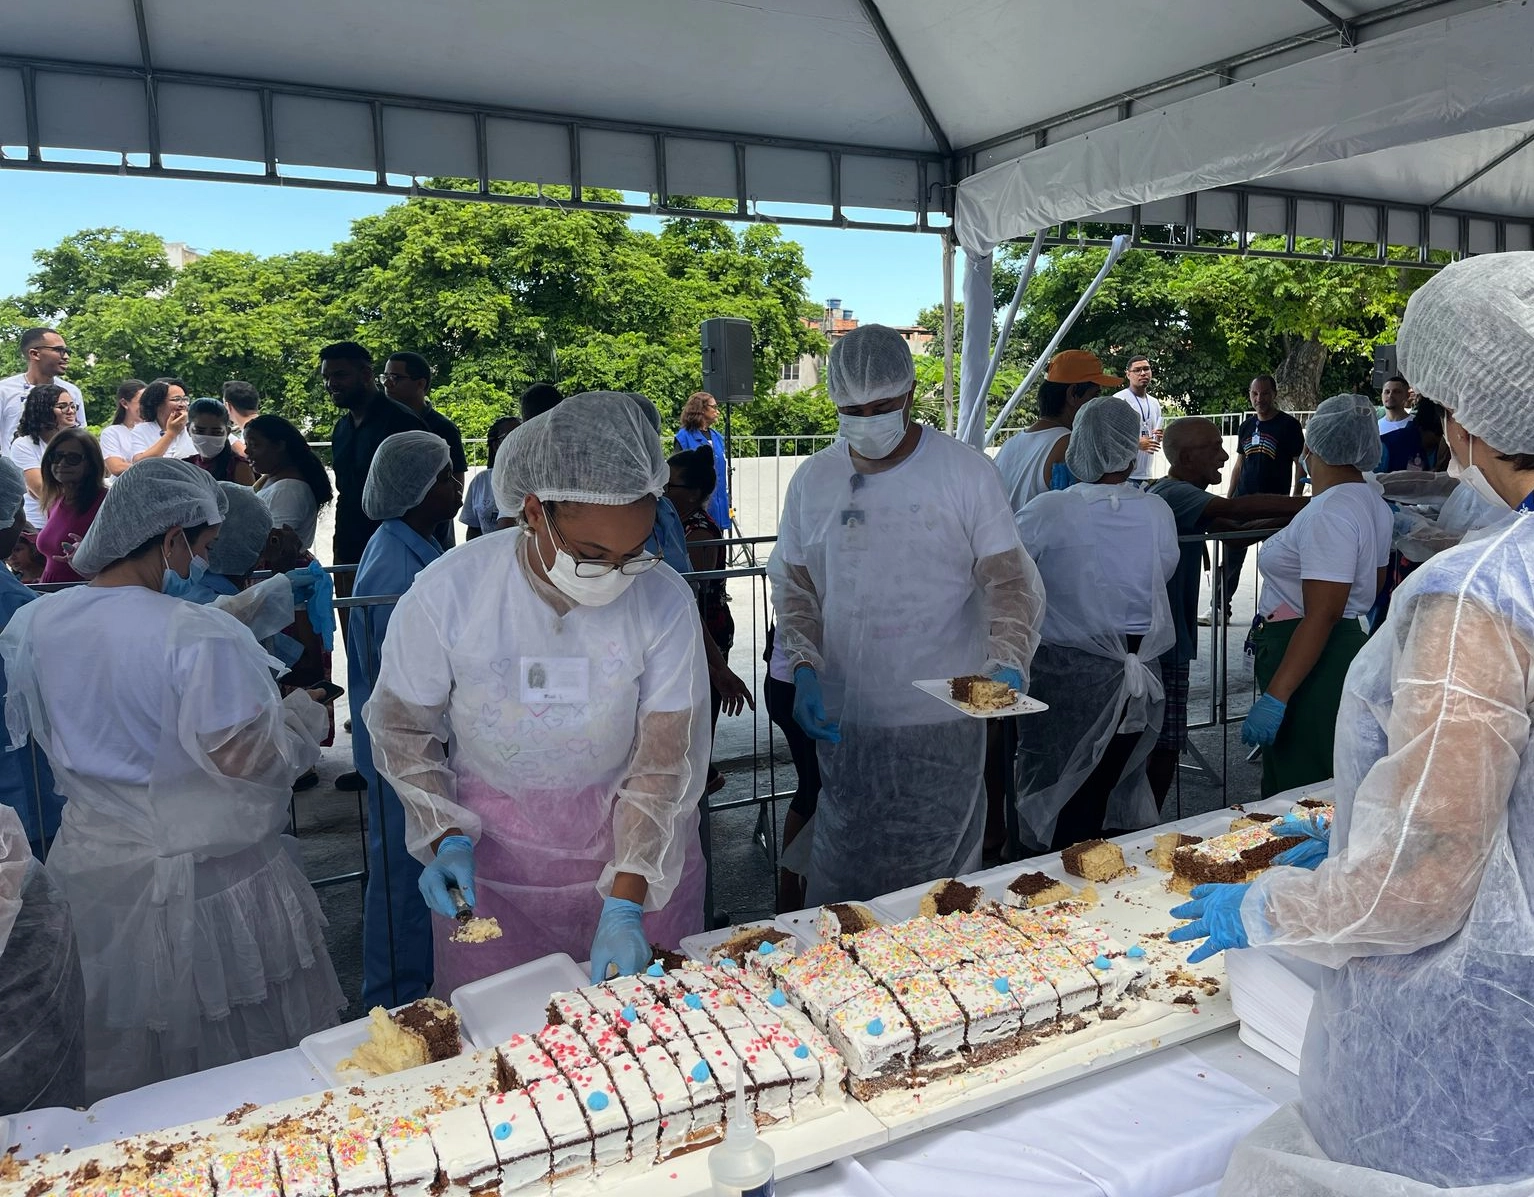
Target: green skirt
(1302, 753)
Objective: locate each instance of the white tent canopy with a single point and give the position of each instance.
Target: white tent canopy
(869, 111)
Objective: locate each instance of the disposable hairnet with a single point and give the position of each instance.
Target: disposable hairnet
(596, 447)
(403, 470)
(242, 537)
(1105, 438)
(156, 495)
(870, 363)
(13, 489)
(1467, 342)
(1344, 431)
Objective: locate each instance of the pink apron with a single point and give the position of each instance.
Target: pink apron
(536, 867)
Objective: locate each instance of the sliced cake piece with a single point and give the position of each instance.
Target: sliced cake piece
(516, 1134)
(882, 956)
(792, 1052)
(1251, 818)
(1036, 889)
(767, 1075)
(569, 1008)
(992, 1019)
(843, 918)
(466, 1154)
(1037, 1000)
(984, 937)
(981, 693)
(949, 896)
(415, 1034)
(409, 1157)
(595, 1092)
(1166, 843)
(819, 979)
(1095, 860)
(875, 1040)
(1075, 984)
(1236, 856)
(304, 1165)
(931, 943)
(569, 1135)
(747, 942)
(936, 1019)
(358, 1163)
(669, 1089)
(249, 1173)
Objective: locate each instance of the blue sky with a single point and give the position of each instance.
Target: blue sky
(883, 277)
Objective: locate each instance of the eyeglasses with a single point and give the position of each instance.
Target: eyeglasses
(69, 459)
(59, 349)
(70, 406)
(585, 567)
(394, 378)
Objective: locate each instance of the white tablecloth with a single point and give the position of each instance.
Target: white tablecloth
(1160, 1126)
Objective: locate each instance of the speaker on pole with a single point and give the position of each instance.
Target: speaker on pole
(729, 370)
(1384, 366)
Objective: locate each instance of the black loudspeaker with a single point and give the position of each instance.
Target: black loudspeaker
(729, 371)
(1384, 366)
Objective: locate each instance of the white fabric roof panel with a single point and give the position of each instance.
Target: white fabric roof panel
(807, 97)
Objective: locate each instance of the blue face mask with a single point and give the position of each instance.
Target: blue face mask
(174, 584)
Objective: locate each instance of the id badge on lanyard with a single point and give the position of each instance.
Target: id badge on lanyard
(545, 681)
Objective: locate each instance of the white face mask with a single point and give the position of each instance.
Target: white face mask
(1472, 477)
(588, 592)
(209, 446)
(873, 437)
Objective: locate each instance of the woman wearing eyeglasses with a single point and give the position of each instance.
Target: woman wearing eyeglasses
(74, 485)
(47, 410)
(542, 710)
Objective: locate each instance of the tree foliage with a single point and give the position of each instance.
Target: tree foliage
(495, 296)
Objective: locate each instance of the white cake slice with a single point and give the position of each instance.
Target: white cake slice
(569, 1135)
(248, 1173)
(768, 1076)
(595, 1091)
(358, 1162)
(669, 1089)
(465, 1154)
(992, 1019)
(304, 1165)
(409, 1157)
(1037, 1001)
(936, 1019)
(521, 1147)
(883, 956)
(875, 1039)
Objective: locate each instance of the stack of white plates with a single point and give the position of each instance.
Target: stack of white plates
(1272, 995)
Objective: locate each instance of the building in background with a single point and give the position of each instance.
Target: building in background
(836, 322)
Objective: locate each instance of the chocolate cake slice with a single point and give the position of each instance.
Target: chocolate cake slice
(981, 693)
(951, 897)
(1036, 889)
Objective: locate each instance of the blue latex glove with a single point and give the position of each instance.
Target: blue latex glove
(303, 585)
(1318, 841)
(321, 606)
(1216, 914)
(1262, 722)
(1013, 678)
(810, 707)
(454, 866)
(620, 940)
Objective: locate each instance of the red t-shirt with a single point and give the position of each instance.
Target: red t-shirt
(62, 523)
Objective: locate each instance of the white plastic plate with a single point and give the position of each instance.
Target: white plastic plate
(495, 1008)
(801, 925)
(938, 688)
(326, 1049)
(699, 946)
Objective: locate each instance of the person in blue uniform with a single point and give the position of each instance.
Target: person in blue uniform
(411, 488)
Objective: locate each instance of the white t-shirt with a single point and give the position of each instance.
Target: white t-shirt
(1106, 553)
(1021, 462)
(1389, 425)
(117, 441)
(13, 394)
(1342, 535)
(479, 510)
(292, 506)
(143, 436)
(1149, 408)
(28, 455)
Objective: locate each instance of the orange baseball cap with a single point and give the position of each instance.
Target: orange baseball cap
(1077, 365)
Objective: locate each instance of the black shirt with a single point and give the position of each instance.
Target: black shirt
(352, 447)
(1268, 450)
(448, 431)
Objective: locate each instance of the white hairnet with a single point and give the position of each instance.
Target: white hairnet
(1344, 431)
(1105, 438)
(242, 537)
(870, 363)
(154, 496)
(596, 447)
(403, 470)
(13, 489)
(1467, 342)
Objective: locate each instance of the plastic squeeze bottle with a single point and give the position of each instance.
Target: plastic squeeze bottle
(741, 1166)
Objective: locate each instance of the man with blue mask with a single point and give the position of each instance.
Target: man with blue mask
(897, 560)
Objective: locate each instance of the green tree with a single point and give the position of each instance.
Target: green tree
(93, 263)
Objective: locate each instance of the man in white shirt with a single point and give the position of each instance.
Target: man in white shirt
(1395, 397)
(1137, 395)
(46, 358)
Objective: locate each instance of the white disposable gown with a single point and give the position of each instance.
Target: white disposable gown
(200, 939)
(569, 742)
(1105, 553)
(881, 579)
(1420, 1047)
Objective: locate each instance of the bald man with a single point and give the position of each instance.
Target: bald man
(1195, 455)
